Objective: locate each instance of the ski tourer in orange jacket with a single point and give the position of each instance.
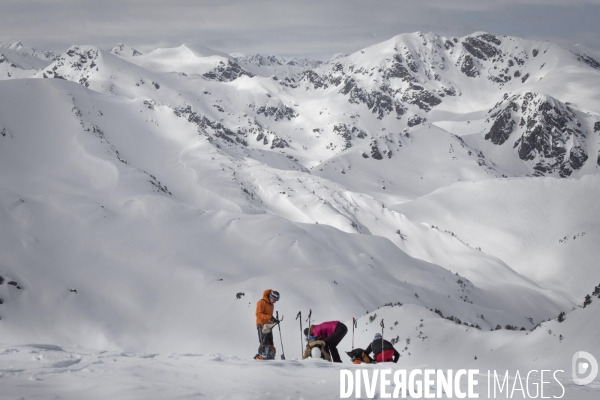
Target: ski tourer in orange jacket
(265, 306)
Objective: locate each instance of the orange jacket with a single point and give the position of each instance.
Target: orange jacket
(264, 309)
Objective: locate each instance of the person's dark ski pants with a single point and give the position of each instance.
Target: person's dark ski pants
(334, 339)
(264, 338)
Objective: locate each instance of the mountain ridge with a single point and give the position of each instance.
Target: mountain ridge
(179, 183)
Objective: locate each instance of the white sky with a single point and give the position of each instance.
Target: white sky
(315, 28)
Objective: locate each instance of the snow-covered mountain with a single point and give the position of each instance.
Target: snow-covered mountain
(190, 60)
(147, 200)
(20, 61)
(279, 66)
(124, 50)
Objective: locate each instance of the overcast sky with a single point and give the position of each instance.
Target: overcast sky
(314, 28)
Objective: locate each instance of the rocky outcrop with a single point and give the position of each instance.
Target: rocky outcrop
(123, 50)
(77, 64)
(210, 128)
(343, 131)
(278, 112)
(503, 125)
(482, 46)
(348, 133)
(420, 97)
(548, 133)
(589, 60)
(375, 153)
(226, 72)
(469, 67)
(416, 120)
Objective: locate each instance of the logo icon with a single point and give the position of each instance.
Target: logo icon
(584, 364)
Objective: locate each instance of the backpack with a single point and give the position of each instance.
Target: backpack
(266, 352)
(316, 344)
(359, 356)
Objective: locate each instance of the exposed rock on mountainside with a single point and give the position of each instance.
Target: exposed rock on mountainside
(482, 46)
(398, 84)
(121, 49)
(285, 68)
(19, 61)
(19, 47)
(76, 64)
(278, 112)
(3, 60)
(274, 60)
(589, 60)
(227, 72)
(210, 128)
(420, 97)
(549, 134)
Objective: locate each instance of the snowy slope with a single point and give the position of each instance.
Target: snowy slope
(39, 371)
(147, 200)
(191, 60)
(544, 228)
(20, 61)
(118, 192)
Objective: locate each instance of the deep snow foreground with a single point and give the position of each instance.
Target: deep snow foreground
(48, 371)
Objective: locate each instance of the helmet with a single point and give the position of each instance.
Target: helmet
(274, 295)
(377, 336)
(315, 352)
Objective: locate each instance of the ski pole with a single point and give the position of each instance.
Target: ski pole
(353, 326)
(299, 315)
(382, 326)
(309, 315)
(280, 338)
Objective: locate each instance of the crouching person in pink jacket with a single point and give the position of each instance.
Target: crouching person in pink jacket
(331, 333)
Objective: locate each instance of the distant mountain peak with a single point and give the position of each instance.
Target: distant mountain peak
(18, 46)
(549, 135)
(202, 51)
(124, 50)
(280, 66)
(78, 63)
(12, 44)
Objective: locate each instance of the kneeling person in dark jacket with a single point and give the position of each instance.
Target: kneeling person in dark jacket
(383, 351)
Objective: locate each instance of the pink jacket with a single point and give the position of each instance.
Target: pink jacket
(325, 329)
